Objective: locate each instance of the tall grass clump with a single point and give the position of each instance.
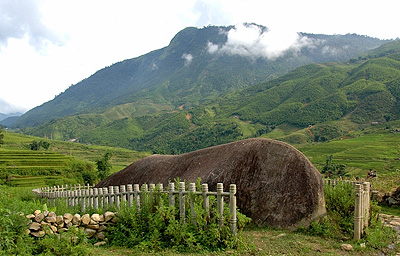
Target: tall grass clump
(15, 204)
(157, 226)
(339, 222)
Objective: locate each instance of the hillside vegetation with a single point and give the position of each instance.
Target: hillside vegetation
(186, 74)
(63, 163)
(335, 99)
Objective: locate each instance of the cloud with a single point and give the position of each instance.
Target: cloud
(22, 18)
(255, 41)
(188, 58)
(7, 108)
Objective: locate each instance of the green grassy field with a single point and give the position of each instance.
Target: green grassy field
(27, 168)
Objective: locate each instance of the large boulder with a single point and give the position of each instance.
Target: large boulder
(276, 184)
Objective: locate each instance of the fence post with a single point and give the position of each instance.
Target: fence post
(116, 196)
(206, 199)
(232, 207)
(366, 189)
(110, 195)
(220, 203)
(76, 198)
(160, 189)
(358, 212)
(136, 191)
(152, 189)
(129, 195)
(105, 197)
(145, 196)
(123, 193)
(192, 190)
(171, 197)
(81, 194)
(182, 202)
(95, 198)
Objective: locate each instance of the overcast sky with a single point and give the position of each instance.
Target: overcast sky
(48, 45)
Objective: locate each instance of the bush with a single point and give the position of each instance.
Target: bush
(339, 222)
(157, 226)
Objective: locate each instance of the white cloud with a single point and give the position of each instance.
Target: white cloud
(255, 41)
(188, 58)
(21, 18)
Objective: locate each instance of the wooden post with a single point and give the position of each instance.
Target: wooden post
(358, 212)
(105, 197)
(192, 190)
(91, 197)
(182, 201)
(136, 191)
(206, 199)
(76, 198)
(145, 196)
(220, 203)
(95, 198)
(81, 194)
(160, 189)
(123, 193)
(171, 196)
(232, 207)
(129, 189)
(366, 189)
(116, 196)
(152, 189)
(110, 195)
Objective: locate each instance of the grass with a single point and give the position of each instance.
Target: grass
(262, 241)
(379, 151)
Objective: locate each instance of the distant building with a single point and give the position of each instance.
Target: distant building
(374, 123)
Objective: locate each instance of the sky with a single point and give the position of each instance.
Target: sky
(48, 45)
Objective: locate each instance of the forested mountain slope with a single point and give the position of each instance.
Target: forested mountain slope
(333, 98)
(198, 66)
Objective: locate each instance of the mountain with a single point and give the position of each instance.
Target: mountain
(313, 103)
(197, 67)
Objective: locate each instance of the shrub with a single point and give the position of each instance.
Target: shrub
(157, 226)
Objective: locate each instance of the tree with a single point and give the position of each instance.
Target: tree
(103, 166)
(332, 170)
(1, 136)
(41, 144)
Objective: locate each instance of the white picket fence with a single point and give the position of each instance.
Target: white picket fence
(361, 203)
(88, 196)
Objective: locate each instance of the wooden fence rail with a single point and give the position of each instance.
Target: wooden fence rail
(361, 203)
(88, 196)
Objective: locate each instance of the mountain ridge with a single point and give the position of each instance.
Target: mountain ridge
(313, 103)
(185, 73)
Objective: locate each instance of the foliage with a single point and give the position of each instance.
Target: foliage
(332, 170)
(339, 222)
(157, 226)
(14, 204)
(103, 166)
(1, 136)
(71, 242)
(38, 145)
(378, 236)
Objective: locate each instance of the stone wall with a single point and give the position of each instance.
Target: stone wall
(42, 223)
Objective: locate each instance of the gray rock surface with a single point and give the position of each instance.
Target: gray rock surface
(277, 185)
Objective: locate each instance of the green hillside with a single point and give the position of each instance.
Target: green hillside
(63, 163)
(336, 99)
(164, 80)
